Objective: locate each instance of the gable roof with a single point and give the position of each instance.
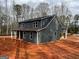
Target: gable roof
(40, 18)
(37, 19)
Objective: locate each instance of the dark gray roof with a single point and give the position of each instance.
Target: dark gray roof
(21, 29)
(37, 19)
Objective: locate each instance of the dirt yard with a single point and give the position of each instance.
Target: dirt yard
(18, 49)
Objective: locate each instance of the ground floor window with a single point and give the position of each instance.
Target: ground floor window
(55, 33)
(31, 35)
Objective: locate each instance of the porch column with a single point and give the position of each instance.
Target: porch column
(15, 35)
(23, 35)
(11, 34)
(19, 35)
(66, 34)
(37, 39)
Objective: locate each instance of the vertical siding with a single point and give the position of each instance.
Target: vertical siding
(50, 33)
(45, 22)
(27, 37)
(40, 24)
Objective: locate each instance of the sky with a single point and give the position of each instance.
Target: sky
(73, 5)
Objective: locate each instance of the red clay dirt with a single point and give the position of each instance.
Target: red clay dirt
(60, 49)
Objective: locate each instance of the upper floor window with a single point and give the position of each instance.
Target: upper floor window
(35, 24)
(43, 23)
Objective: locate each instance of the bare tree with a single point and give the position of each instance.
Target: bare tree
(0, 18)
(43, 8)
(64, 15)
(18, 9)
(26, 11)
(76, 23)
(6, 10)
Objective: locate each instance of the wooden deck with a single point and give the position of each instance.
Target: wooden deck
(61, 49)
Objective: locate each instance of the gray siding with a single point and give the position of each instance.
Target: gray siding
(30, 25)
(27, 37)
(50, 33)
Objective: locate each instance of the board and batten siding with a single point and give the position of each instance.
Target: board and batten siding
(32, 25)
(30, 37)
(50, 33)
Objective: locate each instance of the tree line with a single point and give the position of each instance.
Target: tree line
(20, 12)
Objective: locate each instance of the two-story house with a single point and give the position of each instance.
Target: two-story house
(39, 30)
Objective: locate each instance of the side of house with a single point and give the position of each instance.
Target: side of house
(35, 24)
(39, 30)
(51, 33)
(30, 35)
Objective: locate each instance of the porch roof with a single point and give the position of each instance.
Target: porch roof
(25, 29)
(37, 19)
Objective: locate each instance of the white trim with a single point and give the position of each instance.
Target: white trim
(66, 34)
(35, 24)
(37, 39)
(11, 34)
(15, 34)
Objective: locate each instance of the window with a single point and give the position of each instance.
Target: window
(55, 33)
(35, 24)
(43, 23)
(31, 35)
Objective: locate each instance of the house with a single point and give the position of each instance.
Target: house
(39, 30)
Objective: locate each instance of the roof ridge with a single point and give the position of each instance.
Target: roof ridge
(39, 18)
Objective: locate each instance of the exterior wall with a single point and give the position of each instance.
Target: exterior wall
(45, 22)
(40, 24)
(50, 33)
(27, 37)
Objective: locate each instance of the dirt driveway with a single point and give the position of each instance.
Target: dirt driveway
(61, 49)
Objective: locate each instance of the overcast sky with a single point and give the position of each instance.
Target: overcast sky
(73, 5)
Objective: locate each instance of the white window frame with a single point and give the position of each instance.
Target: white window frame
(35, 24)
